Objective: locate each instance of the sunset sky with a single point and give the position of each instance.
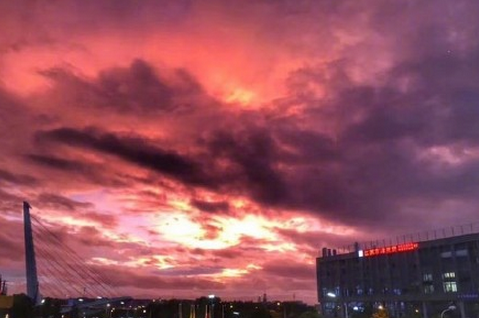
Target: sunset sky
(190, 147)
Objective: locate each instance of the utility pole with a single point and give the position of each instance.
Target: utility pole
(3, 286)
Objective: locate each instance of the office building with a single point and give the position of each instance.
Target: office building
(413, 278)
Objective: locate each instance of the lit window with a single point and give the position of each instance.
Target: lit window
(449, 275)
(427, 277)
(429, 289)
(450, 287)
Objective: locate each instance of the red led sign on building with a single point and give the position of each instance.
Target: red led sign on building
(391, 249)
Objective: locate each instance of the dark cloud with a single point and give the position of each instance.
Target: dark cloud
(63, 205)
(205, 270)
(134, 89)
(92, 237)
(12, 249)
(107, 220)
(369, 162)
(20, 179)
(311, 180)
(135, 150)
(212, 207)
(230, 253)
(309, 147)
(10, 203)
(287, 268)
(16, 124)
(59, 202)
(253, 156)
(377, 161)
(78, 170)
(58, 163)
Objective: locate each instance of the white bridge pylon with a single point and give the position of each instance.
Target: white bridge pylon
(62, 272)
(30, 263)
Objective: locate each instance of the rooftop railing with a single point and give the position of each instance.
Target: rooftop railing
(441, 233)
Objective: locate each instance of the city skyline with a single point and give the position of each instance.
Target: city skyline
(214, 147)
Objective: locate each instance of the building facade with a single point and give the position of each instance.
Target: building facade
(411, 279)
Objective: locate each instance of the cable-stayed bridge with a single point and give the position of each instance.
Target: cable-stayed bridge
(55, 270)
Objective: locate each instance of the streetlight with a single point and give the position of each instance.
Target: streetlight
(450, 308)
(333, 295)
(107, 310)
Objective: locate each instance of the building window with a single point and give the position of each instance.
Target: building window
(427, 277)
(446, 254)
(461, 253)
(429, 289)
(450, 287)
(449, 275)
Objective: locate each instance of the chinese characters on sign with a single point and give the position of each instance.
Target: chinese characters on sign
(390, 249)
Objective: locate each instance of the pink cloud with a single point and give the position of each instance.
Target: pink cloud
(205, 146)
